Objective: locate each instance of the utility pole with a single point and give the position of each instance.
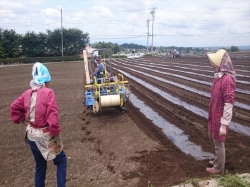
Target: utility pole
(62, 31)
(153, 18)
(147, 33)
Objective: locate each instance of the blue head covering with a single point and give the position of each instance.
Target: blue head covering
(40, 75)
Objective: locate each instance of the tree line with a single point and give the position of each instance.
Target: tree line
(49, 44)
(114, 47)
(31, 44)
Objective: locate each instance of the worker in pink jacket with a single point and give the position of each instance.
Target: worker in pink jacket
(37, 109)
(221, 106)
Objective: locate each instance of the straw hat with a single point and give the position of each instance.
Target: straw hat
(215, 58)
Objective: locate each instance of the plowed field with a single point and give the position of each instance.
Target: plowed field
(160, 140)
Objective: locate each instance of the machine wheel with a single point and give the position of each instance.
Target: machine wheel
(122, 101)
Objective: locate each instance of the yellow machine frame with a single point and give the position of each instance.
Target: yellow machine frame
(98, 89)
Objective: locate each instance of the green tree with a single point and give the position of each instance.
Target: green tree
(9, 42)
(33, 44)
(234, 49)
(189, 49)
(42, 39)
(2, 52)
(115, 48)
(132, 46)
(74, 41)
(54, 44)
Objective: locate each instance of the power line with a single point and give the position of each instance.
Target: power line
(210, 34)
(119, 21)
(106, 38)
(120, 35)
(99, 24)
(135, 10)
(71, 10)
(170, 35)
(94, 11)
(210, 12)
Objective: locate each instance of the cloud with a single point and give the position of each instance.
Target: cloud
(51, 12)
(7, 13)
(179, 22)
(9, 5)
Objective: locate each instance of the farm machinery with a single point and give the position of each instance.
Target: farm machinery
(103, 91)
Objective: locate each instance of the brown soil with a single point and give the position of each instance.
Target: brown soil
(116, 149)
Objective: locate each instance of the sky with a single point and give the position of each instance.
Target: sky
(181, 23)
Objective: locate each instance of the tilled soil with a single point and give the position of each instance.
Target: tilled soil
(237, 145)
(121, 148)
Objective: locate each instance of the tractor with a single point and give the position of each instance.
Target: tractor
(105, 91)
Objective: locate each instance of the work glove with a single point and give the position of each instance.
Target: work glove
(53, 144)
(223, 130)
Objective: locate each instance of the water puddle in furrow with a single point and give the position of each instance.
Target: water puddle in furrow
(182, 77)
(233, 125)
(191, 69)
(187, 72)
(175, 134)
(191, 73)
(198, 65)
(183, 62)
(212, 72)
(206, 66)
(187, 67)
(206, 94)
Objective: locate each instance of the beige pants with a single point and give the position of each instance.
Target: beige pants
(219, 154)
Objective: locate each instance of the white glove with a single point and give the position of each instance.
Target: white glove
(223, 129)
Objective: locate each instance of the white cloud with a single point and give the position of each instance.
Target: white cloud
(178, 22)
(132, 17)
(51, 12)
(15, 6)
(34, 2)
(6, 13)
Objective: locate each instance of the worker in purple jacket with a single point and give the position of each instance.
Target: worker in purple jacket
(99, 72)
(37, 109)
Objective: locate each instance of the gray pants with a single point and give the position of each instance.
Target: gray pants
(219, 154)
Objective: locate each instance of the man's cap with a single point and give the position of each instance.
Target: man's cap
(98, 57)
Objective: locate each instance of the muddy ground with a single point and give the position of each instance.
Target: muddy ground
(115, 149)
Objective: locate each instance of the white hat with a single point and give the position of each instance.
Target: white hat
(215, 58)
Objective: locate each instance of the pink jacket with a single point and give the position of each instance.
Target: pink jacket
(46, 110)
